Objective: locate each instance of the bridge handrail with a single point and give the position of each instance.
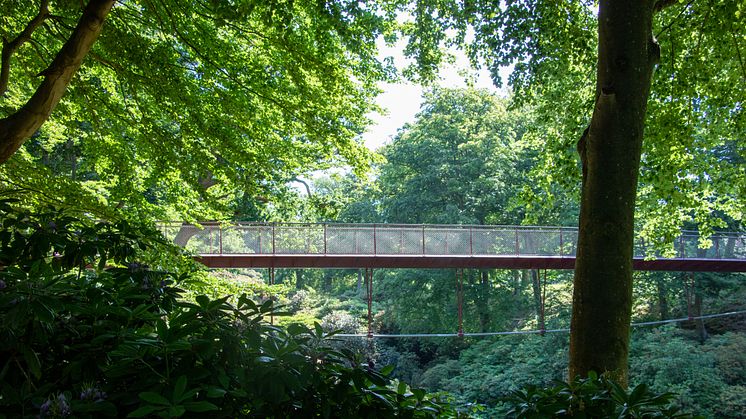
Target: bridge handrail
(418, 239)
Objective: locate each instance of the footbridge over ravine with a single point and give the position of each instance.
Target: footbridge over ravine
(288, 245)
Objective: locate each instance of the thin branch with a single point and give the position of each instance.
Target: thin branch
(738, 53)
(10, 47)
(674, 20)
(662, 4)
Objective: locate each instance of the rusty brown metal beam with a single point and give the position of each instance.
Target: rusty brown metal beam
(452, 261)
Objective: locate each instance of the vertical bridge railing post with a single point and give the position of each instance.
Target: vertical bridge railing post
(273, 238)
(561, 243)
(517, 250)
(220, 238)
(324, 238)
(375, 246)
(471, 241)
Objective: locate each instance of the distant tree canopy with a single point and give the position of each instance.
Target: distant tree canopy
(458, 163)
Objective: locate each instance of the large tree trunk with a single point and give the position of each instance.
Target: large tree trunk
(21, 125)
(610, 152)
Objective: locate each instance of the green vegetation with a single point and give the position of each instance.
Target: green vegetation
(88, 331)
(115, 115)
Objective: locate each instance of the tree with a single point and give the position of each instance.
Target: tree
(552, 47)
(173, 96)
(457, 163)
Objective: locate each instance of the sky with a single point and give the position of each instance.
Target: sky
(402, 100)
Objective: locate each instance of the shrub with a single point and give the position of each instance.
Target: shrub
(592, 397)
(87, 331)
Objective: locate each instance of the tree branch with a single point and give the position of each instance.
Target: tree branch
(10, 47)
(662, 4)
(16, 128)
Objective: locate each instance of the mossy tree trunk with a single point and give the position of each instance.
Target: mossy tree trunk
(610, 152)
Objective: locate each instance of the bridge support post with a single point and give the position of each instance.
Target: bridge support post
(460, 300)
(271, 282)
(369, 295)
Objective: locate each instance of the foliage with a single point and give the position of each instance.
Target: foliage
(188, 109)
(591, 397)
(457, 163)
(115, 338)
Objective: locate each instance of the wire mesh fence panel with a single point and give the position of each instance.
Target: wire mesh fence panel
(569, 246)
(687, 246)
(247, 239)
(398, 240)
(447, 241)
(493, 241)
(732, 247)
(298, 239)
(539, 242)
(349, 240)
(201, 241)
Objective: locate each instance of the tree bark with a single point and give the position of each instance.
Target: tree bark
(662, 298)
(699, 323)
(9, 47)
(484, 301)
(610, 152)
(536, 287)
(16, 128)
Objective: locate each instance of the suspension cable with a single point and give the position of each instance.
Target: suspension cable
(531, 332)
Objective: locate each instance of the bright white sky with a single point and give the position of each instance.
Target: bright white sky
(402, 100)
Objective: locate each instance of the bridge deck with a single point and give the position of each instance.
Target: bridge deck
(453, 261)
(429, 246)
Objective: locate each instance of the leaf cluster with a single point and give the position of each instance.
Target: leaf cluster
(91, 339)
(591, 397)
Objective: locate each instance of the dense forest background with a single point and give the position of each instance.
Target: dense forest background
(197, 111)
(465, 160)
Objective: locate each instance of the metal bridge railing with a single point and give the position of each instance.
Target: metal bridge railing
(408, 239)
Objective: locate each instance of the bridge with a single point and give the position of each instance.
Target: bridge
(333, 245)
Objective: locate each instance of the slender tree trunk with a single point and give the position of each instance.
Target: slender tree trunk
(359, 286)
(484, 303)
(699, 323)
(21, 125)
(536, 288)
(730, 246)
(610, 152)
(662, 297)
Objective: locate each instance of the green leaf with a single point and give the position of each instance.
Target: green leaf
(179, 388)
(202, 406)
(215, 392)
(32, 361)
(202, 300)
(154, 398)
(387, 370)
(143, 411)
